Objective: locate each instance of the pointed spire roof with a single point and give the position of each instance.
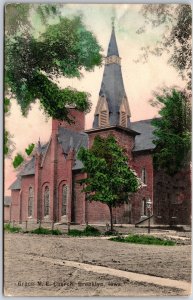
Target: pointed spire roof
(113, 49)
(112, 86)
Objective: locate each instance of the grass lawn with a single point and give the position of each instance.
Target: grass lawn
(88, 231)
(143, 239)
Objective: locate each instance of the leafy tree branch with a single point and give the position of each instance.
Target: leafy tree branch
(176, 39)
(173, 131)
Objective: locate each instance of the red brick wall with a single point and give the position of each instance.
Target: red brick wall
(15, 205)
(78, 200)
(126, 141)
(139, 162)
(77, 116)
(55, 172)
(26, 183)
(172, 194)
(122, 214)
(97, 212)
(7, 211)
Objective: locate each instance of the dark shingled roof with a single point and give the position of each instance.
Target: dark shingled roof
(144, 141)
(112, 86)
(16, 185)
(70, 139)
(7, 200)
(29, 168)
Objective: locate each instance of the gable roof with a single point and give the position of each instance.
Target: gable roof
(29, 168)
(16, 185)
(144, 141)
(71, 139)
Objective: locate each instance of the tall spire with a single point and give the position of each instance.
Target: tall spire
(113, 49)
(113, 107)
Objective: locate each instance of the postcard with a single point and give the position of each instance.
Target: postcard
(97, 149)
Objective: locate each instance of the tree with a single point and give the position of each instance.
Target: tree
(109, 178)
(8, 144)
(173, 131)
(33, 60)
(31, 65)
(176, 21)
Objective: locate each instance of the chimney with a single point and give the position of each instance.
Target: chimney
(78, 118)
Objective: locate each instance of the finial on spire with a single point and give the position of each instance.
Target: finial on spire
(39, 146)
(113, 22)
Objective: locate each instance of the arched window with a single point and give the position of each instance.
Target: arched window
(103, 118)
(123, 114)
(30, 201)
(123, 119)
(46, 201)
(144, 176)
(64, 199)
(103, 112)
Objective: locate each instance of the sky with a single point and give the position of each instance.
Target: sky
(140, 79)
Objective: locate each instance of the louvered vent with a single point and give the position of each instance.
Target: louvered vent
(123, 119)
(103, 118)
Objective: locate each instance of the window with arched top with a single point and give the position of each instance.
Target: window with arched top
(123, 119)
(30, 201)
(123, 115)
(144, 176)
(46, 201)
(103, 113)
(103, 118)
(64, 199)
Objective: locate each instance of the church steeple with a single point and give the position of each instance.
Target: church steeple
(113, 49)
(113, 107)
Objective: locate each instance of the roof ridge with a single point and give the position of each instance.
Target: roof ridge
(150, 119)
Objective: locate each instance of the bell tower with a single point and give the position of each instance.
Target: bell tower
(113, 107)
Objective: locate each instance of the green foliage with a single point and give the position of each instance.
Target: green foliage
(17, 16)
(64, 49)
(143, 239)
(6, 143)
(46, 231)
(18, 160)
(110, 180)
(88, 231)
(110, 232)
(6, 105)
(8, 227)
(30, 148)
(55, 101)
(176, 39)
(173, 131)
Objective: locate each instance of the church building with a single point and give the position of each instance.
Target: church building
(47, 188)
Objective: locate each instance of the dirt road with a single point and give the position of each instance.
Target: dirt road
(35, 265)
